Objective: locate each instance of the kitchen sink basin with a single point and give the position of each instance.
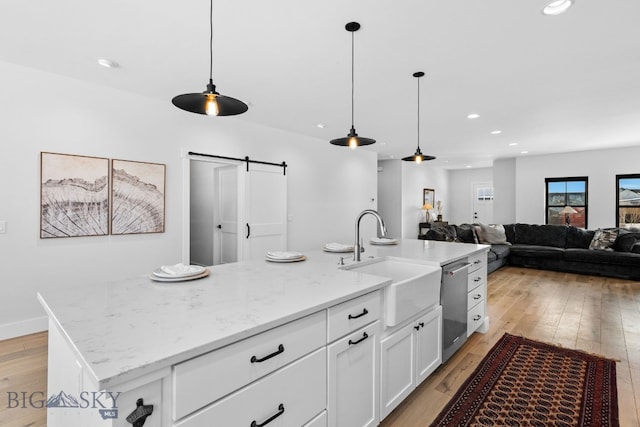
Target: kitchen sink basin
(414, 286)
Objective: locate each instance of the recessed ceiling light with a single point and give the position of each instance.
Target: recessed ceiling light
(513, 144)
(524, 152)
(468, 166)
(321, 125)
(496, 132)
(473, 116)
(108, 63)
(557, 7)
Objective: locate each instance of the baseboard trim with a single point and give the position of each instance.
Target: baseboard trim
(23, 327)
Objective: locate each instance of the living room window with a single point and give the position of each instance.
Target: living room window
(566, 201)
(628, 201)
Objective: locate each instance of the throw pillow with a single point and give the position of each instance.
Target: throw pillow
(492, 234)
(635, 249)
(603, 239)
(626, 240)
(465, 233)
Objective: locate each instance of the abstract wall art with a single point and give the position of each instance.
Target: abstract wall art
(138, 197)
(74, 195)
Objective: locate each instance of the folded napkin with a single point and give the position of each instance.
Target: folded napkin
(284, 255)
(338, 247)
(180, 269)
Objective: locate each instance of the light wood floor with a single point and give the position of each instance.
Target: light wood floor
(598, 315)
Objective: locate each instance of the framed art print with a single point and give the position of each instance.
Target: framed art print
(137, 197)
(74, 195)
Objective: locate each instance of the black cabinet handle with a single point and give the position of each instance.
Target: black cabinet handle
(364, 337)
(280, 349)
(219, 226)
(248, 230)
(477, 296)
(418, 326)
(254, 423)
(476, 318)
(364, 313)
(477, 261)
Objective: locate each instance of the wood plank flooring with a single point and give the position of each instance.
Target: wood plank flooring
(594, 314)
(598, 315)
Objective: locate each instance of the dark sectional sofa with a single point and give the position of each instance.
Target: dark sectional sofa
(551, 247)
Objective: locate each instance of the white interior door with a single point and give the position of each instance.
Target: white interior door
(265, 225)
(226, 216)
(482, 202)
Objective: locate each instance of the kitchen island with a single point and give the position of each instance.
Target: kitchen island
(118, 344)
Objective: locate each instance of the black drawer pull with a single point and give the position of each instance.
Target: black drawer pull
(254, 423)
(477, 261)
(477, 279)
(477, 296)
(364, 313)
(364, 337)
(476, 318)
(418, 326)
(280, 349)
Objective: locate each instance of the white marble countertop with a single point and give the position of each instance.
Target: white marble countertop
(122, 330)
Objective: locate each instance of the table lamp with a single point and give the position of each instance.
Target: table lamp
(427, 207)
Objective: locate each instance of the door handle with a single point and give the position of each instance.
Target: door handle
(220, 226)
(248, 230)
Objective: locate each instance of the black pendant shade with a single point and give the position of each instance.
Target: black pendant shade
(418, 157)
(210, 102)
(352, 140)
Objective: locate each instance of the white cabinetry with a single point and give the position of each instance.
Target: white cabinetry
(408, 355)
(476, 292)
(353, 362)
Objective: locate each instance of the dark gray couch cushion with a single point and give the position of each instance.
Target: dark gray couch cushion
(626, 240)
(602, 257)
(500, 251)
(466, 233)
(578, 237)
(536, 251)
(510, 232)
(542, 235)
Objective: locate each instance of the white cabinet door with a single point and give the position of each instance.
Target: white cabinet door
(265, 211)
(353, 391)
(428, 333)
(396, 368)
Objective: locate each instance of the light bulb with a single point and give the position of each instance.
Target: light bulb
(211, 106)
(353, 142)
(418, 159)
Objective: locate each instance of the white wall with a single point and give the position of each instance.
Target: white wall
(504, 191)
(600, 166)
(460, 184)
(328, 185)
(390, 195)
(415, 178)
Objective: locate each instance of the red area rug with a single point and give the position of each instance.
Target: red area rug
(521, 382)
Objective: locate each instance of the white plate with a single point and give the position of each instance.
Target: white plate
(196, 270)
(338, 251)
(155, 278)
(302, 258)
(383, 241)
(283, 255)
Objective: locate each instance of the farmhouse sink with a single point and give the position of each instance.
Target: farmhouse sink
(414, 286)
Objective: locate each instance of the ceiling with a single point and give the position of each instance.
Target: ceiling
(549, 83)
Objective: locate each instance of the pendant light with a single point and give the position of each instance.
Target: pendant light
(210, 102)
(418, 157)
(352, 140)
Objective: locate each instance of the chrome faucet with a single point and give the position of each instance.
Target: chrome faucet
(383, 230)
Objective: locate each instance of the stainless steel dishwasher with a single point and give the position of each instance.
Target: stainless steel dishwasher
(453, 298)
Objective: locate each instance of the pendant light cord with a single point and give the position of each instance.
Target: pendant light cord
(418, 113)
(211, 41)
(352, 79)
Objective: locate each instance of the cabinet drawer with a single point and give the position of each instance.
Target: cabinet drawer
(202, 380)
(476, 296)
(353, 314)
(319, 421)
(477, 261)
(475, 317)
(291, 397)
(476, 279)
